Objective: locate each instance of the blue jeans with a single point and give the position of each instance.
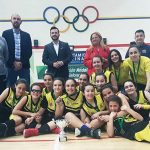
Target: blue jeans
(13, 75)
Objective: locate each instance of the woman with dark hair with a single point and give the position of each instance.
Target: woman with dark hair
(118, 67)
(10, 97)
(140, 68)
(97, 48)
(139, 101)
(130, 126)
(8, 100)
(97, 64)
(83, 80)
(48, 83)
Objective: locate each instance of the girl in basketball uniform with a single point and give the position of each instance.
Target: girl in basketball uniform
(48, 108)
(93, 106)
(107, 91)
(29, 106)
(25, 113)
(97, 64)
(10, 97)
(100, 80)
(139, 101)
(82, 81)
(87, 123)
(140, 68)
(69, 102)
(130, 126)
(118, 67)
(48, 83)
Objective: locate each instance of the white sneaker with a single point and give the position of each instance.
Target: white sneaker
(77, 132)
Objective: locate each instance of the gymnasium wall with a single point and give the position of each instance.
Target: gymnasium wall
(116, 20)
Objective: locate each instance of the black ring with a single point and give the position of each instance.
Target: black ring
(44, 13)
(84, 18)
(74, 20)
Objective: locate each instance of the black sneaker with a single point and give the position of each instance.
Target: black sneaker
(95, 133)
(3, 130)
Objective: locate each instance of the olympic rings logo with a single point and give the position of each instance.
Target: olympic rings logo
(72, 21)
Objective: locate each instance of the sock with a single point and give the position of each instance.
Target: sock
(84, 129)
(44, 129)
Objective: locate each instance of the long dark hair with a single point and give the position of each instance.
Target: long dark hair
(110, 63)
(19, 81)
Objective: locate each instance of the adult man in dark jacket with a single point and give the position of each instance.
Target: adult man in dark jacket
(144, 49)
(20, 51)
(57, 55)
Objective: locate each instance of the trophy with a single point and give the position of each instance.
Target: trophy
(62, 123)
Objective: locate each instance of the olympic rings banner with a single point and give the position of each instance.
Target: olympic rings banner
(53, 19)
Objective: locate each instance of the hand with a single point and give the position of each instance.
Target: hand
(104, 118)
(125, 108)
(56, 65)
(29, 120)
(95, 116)
(17, 65)
(33, 115)
(60, 63)
(59, 101)
(138, 106)
(113, 115)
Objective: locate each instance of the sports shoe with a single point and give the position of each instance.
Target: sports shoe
(30, 132)
(56, 130)
(77, 132)
(95, 133)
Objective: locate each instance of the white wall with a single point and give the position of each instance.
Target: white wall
(116, 31)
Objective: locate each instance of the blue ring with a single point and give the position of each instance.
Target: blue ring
(44, 13)
(84, 18)
(74, 20)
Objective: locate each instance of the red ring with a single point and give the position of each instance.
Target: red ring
(94, 9)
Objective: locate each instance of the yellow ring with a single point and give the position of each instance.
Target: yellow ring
(65, 30)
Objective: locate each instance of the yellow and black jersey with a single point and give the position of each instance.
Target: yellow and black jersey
(78, 88)
(121, 74)
(73, 105)
(139, 69)
(30, 106)
(141, 99)
(50, 98)
(107, 73)
(11, 99)
(44, 92)
(90, 110)
(128, 127)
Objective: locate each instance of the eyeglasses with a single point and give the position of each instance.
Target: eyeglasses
(35, 91)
